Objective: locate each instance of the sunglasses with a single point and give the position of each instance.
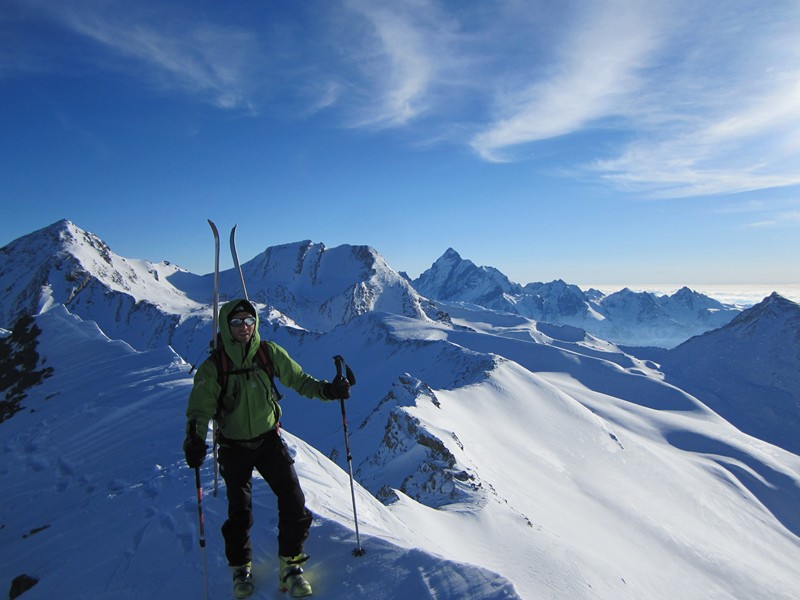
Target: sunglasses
(236, 322)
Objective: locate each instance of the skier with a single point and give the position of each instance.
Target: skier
(249, 436)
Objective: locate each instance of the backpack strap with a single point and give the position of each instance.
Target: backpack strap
(268, 367)
(222, 361)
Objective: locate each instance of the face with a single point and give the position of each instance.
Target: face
(243, 332)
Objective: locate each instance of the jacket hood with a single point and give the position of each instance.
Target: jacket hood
(240, 354)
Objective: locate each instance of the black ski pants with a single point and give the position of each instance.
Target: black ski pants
(271, 459)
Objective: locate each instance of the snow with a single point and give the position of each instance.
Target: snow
(513, 458)
(98, 502)
(583, 495)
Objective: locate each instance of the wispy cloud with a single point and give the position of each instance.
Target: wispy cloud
(761, 213)
(400, 58)
(174, 51)
(690, 98)
(595, 67)
(749, 145)
(686, 108)
(778, 219)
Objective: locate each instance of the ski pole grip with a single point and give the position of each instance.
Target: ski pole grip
(340, 366)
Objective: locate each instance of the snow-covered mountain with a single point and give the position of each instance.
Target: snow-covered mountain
(320, 288)
(452, 278)
(496, 457)
(62, 264)
(624, 317)
(152, 305)
(748, 371)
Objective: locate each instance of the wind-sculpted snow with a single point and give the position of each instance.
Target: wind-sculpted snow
(776, 488)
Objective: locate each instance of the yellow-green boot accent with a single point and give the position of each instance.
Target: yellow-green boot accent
(242, 581)
(290, 576)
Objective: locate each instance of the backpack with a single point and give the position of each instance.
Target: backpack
(223, 364)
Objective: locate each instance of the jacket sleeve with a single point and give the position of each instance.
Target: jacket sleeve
(292, 375)
(203, 397)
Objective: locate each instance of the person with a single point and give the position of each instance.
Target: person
(249, 438)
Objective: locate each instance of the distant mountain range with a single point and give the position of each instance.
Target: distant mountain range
(624, 317)
(166, 304)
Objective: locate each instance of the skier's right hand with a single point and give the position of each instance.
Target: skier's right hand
(194, 448)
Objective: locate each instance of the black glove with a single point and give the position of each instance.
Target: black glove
(339, 389)
(194, 448)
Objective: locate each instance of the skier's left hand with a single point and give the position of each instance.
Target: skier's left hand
(338, 389)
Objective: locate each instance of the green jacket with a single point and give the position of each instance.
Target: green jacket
(249, 408)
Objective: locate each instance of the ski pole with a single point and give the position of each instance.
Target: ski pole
(202, 529)
(351, 378)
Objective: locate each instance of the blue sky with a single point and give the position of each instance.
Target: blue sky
(596, 142)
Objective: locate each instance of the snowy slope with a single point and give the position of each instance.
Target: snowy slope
(500, 457)
(748, 371)
(601, 455)
(571, 492)
(98, 502)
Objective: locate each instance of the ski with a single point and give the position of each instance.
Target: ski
(235, 256)
(215, 321)
(216, 284)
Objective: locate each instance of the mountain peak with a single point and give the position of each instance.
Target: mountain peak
(775, 297)
(58, 240)
(771, 311)
(684, 293)
(726, 367)
(64, 264)
(449, 259)
(452, 277)
(62, 225)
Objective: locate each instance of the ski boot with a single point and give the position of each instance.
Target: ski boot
(242, 581)
(290, 576)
